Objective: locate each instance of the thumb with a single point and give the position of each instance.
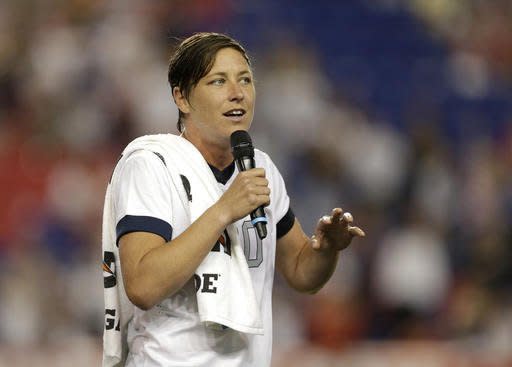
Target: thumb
(315, 243)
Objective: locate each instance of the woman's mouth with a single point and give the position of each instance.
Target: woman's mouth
(235, 114)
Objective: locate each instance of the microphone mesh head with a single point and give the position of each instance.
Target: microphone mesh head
(241, 144)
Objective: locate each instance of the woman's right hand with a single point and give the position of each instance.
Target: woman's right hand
(248, 191)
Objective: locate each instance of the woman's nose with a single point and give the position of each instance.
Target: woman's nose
(235, 92)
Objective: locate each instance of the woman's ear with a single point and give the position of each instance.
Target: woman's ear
(180, 100)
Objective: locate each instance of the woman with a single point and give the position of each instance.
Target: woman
(160, 249)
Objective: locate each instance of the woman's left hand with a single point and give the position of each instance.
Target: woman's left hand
(335, 232)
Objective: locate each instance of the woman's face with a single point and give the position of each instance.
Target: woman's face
(223, 100)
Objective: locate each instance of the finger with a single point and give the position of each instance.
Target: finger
(266, 199)
(260, 190)
(257, 172)
(346, 218)
(260, 181)
(336, 215)
(256, 201)
(315, 243)
(325, 220)
(356, 231)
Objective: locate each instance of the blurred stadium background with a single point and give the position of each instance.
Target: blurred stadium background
(399, 110)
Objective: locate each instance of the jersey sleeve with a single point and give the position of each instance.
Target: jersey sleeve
(279, 197)
(142, 196)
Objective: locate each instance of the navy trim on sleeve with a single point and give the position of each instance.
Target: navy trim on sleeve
(285, 224)
(140, 223)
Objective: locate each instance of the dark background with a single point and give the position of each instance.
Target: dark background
(399, 111)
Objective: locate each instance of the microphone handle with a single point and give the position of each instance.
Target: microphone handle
(258, 218)
(245, 163)
(259, 221)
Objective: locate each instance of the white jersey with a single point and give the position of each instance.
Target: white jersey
(170, 334)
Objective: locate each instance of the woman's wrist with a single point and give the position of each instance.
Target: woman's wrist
(220, 215)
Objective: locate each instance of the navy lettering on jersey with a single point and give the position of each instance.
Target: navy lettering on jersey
(110, 319)
(109, 269)
(206, 282)
(223, 241)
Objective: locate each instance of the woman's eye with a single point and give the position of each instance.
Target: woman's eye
(217, 82)
(246, 80)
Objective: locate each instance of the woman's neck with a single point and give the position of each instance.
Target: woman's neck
(217, 155)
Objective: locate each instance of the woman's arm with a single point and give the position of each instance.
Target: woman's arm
(308, 263)
(153, 269)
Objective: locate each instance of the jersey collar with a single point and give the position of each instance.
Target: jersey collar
(224, 175)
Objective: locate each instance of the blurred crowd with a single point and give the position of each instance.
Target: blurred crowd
(80, 79)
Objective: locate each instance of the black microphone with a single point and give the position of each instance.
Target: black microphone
(243, 152)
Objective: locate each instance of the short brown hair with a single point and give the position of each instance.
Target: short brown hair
(194, 58)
